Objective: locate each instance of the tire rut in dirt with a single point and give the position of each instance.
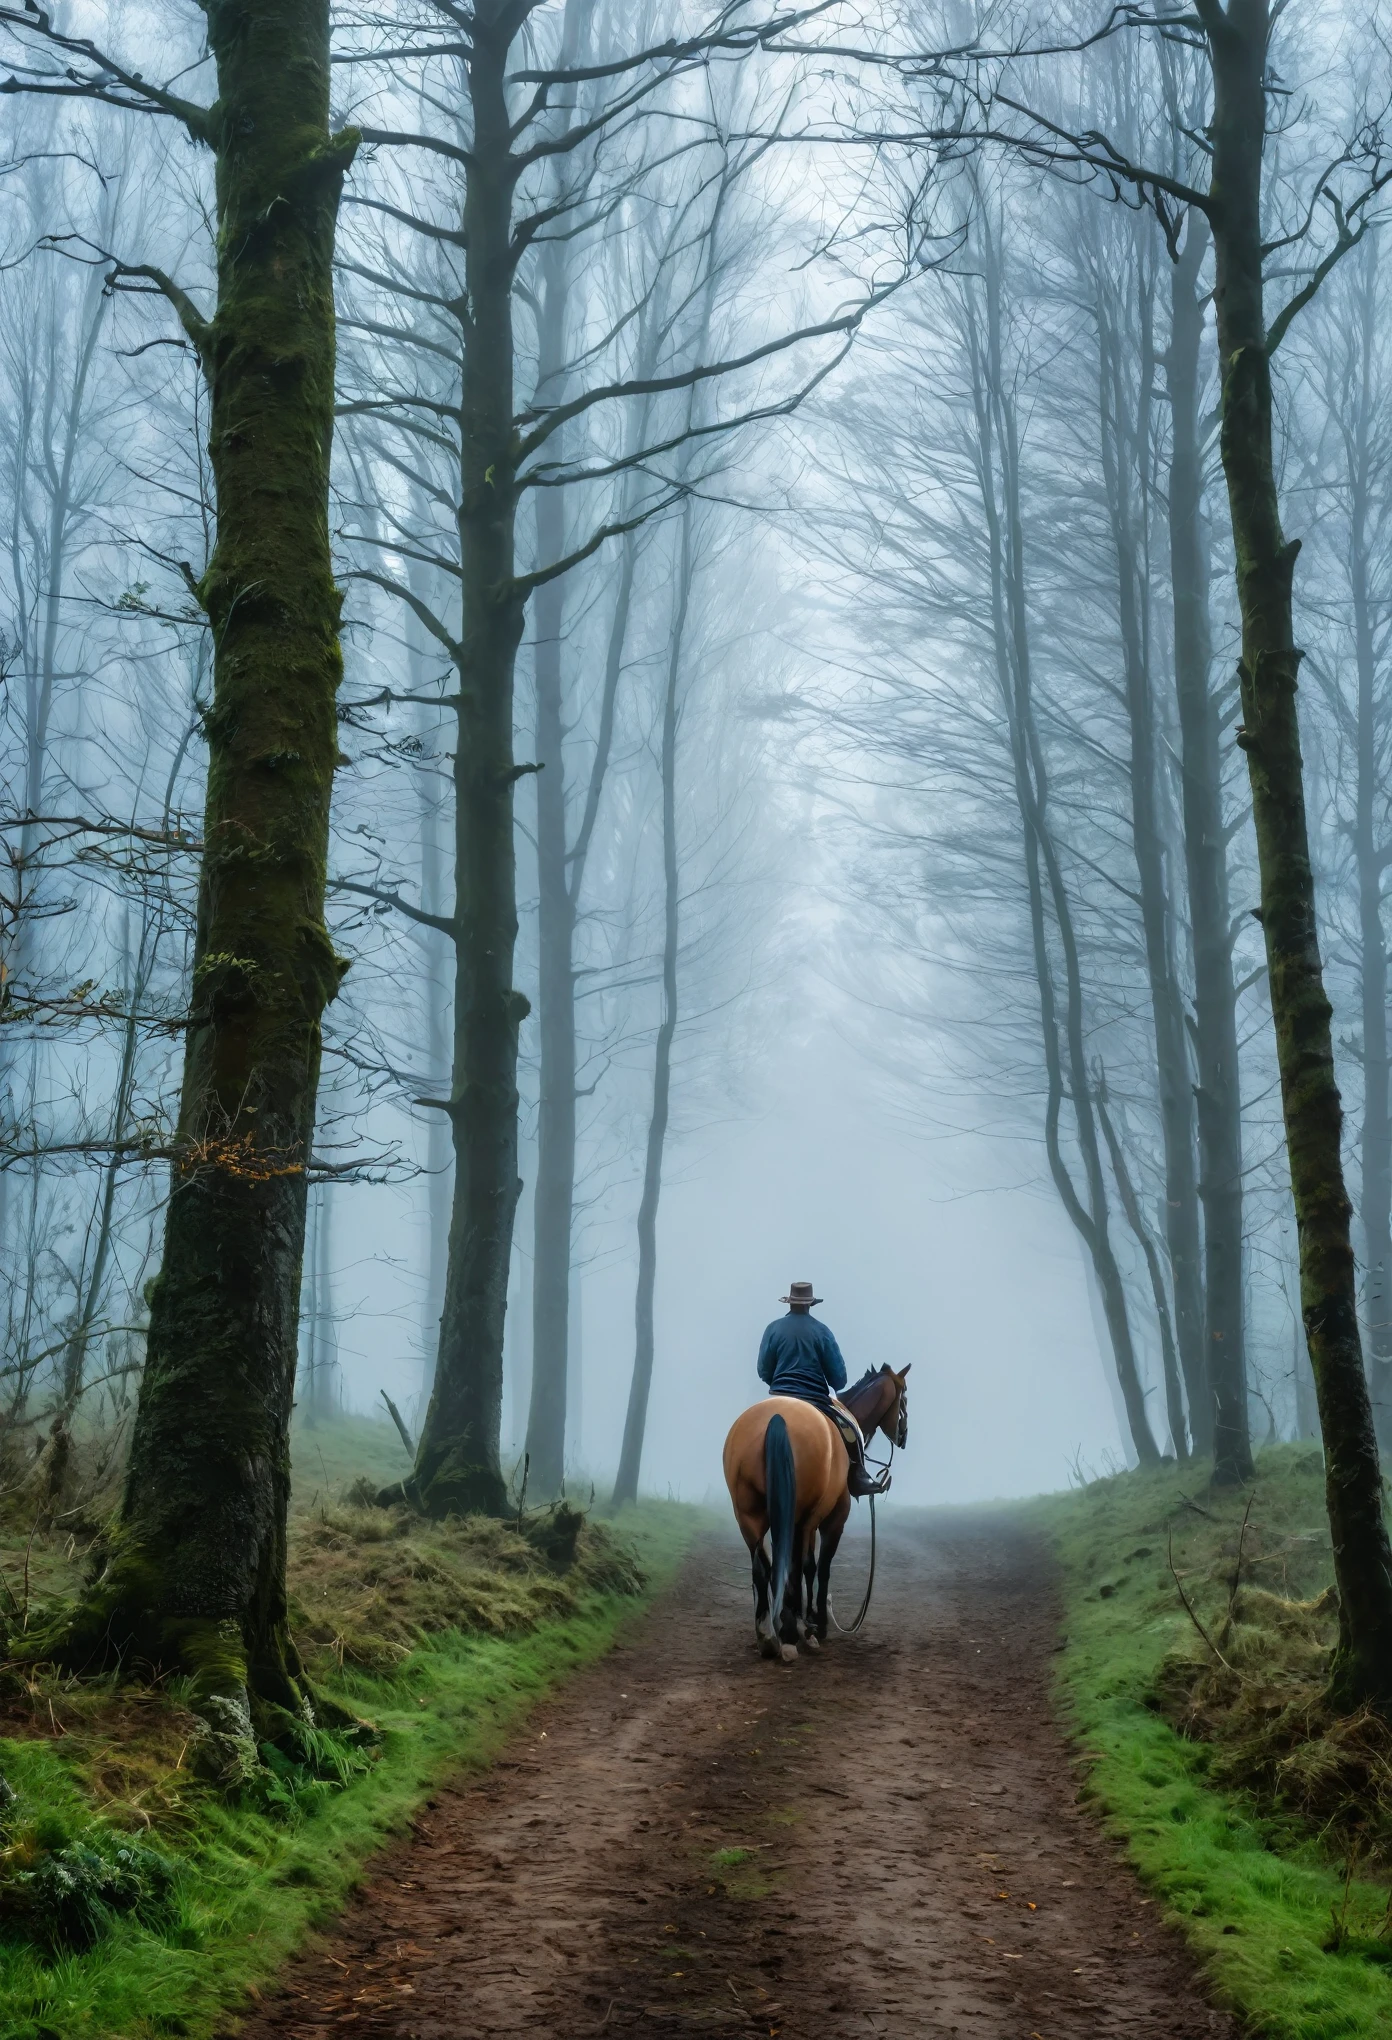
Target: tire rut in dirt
(690, 1840)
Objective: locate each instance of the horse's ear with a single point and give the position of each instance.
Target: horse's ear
(905, 1368)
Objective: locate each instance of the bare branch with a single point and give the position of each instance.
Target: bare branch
(110, 82)
(706, 371)
(440, 922)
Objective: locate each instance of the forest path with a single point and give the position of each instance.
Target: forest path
(890, 1793)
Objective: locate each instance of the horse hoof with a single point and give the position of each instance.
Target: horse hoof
(769, 1647)
(810, 1643)
(788, 1652)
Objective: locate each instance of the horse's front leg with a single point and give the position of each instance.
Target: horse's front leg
(832, 1528)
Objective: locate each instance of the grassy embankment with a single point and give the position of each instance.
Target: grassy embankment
(441, 1636)
(1264, 1825)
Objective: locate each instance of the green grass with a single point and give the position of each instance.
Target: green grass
(252, 1880)
(1257, 1892)
(325, 1458)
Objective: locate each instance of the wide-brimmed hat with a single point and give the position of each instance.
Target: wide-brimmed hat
(800, 1292)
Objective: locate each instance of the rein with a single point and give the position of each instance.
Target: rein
(851, 1628)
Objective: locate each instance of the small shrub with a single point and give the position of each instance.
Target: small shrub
(1257, 1695)
(299, 1777)
(555, 1533)
(362, 1494)
(63, 1891)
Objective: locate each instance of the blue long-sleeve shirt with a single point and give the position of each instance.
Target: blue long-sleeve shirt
(799, 1356)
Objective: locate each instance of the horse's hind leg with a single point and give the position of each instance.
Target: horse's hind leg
(763, 1575)
(790, 1622)
(809, 1575)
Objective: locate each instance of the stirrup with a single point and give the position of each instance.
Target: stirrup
(862, 1482)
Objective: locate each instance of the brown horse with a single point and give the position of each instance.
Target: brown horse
(786, 1467)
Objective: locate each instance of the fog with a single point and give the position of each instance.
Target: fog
(857, 756)
(1008, 1388)
(981, 1288)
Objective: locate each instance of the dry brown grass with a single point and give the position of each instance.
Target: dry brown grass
(367, 1587)
(367, 1584)
(1254, 1691)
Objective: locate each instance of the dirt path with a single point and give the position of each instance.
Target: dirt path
(916, 1864)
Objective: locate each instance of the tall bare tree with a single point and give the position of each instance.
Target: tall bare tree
(515, 166)
(1345, 362)
(1234, 42)
(194, 1577)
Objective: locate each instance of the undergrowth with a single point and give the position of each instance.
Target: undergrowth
(135, 1898)
(1199, 1627)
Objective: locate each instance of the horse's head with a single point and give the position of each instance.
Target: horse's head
(895, 1422)
(879, 1401)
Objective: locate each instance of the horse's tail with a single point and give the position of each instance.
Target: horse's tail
(780, 1493)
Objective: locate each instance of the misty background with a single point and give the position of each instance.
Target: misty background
(803, 574)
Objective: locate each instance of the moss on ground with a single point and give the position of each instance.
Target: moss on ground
(1262, 1821)
(180, 1901)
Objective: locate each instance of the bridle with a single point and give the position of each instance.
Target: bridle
(900, 1439)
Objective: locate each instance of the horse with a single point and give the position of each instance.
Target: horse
(787, 1467)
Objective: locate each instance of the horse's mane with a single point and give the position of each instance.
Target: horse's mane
(870, 1374)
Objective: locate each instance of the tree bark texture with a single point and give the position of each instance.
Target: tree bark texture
(553, 1213)
(1218, 1090)
(640, 1387)
(1270, 739)
(436, 949)
(1126, 439)
(37, 657)
(195, 1571)
(438, 991)
(324, 1382)
(1371, 859)
(1131, 1205)
(561, 866)
(1062, 1031)
(101, 1233)
(457, 1461)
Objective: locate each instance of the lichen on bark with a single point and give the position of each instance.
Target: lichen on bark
(194, 1571)
(1268, 674)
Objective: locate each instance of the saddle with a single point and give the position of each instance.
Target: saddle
(861, 1480)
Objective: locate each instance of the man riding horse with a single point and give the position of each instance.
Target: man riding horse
(799, 1357)
(792, 1463)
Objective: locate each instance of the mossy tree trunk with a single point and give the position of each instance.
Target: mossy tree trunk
(1270, 737)
(458, 1468)
(195, 1573)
